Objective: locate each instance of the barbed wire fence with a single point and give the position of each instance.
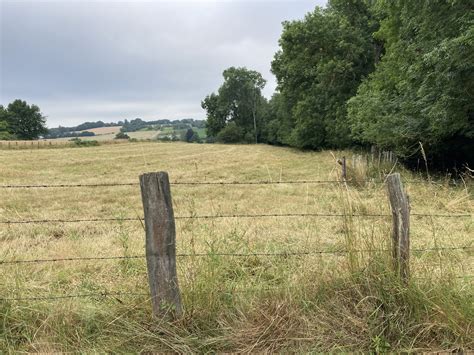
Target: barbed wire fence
(157, 218)
(225, 183)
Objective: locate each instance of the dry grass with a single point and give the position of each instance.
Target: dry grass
(307, 303)
(103, 130)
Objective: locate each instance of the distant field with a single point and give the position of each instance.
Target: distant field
(107, 133)
(104, 130)
(328, 300)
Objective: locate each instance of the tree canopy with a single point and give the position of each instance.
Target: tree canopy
(21, 121)
(322, 60)
(398, 75)
(238, 100)
(422, 90)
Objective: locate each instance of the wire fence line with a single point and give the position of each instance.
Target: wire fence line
(193, 183)
(103, 294)
(174, 183)
(212, 254)
(265, 215)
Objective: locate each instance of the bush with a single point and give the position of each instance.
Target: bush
(231, 133)
(77, 142)
(122, 135)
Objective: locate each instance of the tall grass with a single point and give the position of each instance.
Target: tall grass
(337, 301)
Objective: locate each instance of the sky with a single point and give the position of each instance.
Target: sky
(113, 60)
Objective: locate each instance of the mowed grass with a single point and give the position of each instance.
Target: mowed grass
(107, 137)
(328, 301)
(103, 130)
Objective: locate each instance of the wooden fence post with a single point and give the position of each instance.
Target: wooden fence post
(400, 206)
(160, 244)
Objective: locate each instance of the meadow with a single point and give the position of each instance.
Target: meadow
(341, 296)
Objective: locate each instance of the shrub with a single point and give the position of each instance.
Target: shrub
(122, 135)
(231, 133)
(77, 142)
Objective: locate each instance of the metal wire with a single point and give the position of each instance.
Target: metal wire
(266, 254)
(84, 295)
(125, 219)
(191, 183)
(31, 261)
(67, 185)
(174, 183)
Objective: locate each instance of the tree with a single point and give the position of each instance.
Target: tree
(216, 114)
(238, 100)
(422, 90)
(190, 136)
(322, 60)
(4, 126)
(24, 121)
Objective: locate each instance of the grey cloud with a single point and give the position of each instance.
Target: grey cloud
(113, 60)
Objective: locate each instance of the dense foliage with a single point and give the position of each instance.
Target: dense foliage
(398, 75)
(239, 101)
(21, 121)
(322, 60)
(422, 91)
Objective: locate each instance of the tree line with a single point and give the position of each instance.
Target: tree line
(397, 75)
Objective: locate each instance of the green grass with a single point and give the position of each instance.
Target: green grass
(302, 303)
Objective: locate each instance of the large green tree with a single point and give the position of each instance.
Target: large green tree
(423, 88)
(322, 60)
(22, 120)
(238, 100)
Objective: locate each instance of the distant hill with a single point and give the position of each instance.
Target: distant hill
(137, 124)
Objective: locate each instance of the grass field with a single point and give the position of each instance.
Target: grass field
(318, 302)
(104, 130)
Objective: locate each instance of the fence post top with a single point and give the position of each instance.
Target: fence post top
(160, 174)
(393, 176)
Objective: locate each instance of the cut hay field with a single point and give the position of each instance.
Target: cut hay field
(102, 137)
(342, 296)
(103, 130)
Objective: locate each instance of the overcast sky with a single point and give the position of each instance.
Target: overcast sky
(110, 60)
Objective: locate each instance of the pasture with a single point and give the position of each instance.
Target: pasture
(103, 130)
(339, 296)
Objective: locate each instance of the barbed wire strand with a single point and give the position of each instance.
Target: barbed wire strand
(84, 295)
(191, 183)
(122, 294)
(175, 183)
(267, 254)
(125, 219)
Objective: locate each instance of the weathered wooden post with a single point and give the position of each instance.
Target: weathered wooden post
(160, 244)
(400, 206)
